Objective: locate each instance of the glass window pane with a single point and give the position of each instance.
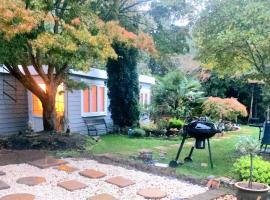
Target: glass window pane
(102, 99)
(94, 98)
(86, 101)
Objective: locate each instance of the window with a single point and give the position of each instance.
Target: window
(94, 101)
(59, 102)
(144, 98)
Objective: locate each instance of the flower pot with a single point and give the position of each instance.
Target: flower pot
(258, 191)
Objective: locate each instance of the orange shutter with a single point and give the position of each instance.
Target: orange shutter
(94, 98)
(102, 99)
(86, 100)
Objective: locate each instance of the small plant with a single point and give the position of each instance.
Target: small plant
(149, 128)
(249, 146)
(136, 132)
(176, 123)
(261, 169)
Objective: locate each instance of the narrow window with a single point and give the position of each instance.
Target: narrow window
(102, 99)
(86, 100)
(94, 98)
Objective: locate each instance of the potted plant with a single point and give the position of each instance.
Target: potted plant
(250, 190)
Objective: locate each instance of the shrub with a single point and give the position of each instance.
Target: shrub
(176, 123)
(217, 108)
(162, 124)
(150, 127)
(261, 169)
(137, 132)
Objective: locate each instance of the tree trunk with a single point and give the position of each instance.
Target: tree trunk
(49, 112)
(251, 171)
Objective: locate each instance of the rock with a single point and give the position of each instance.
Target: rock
(204, 165)
(72, 185)
(213, 184)
(90, 173)
(152, 193)
(210, 177)
(31, 181)
(120, 181)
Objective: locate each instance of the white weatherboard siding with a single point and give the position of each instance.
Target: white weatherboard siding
(74, 106)
(13, 114)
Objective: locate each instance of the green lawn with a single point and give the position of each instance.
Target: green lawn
(223, 150)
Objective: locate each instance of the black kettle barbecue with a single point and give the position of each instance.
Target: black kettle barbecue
(201, 130)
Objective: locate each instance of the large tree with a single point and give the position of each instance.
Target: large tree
(232, 37)
(123, 85)
(123, 82)
(55, 36)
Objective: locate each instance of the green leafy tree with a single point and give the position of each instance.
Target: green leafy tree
(123, 87)
(54, 37)
(173, 94)
(232, 37)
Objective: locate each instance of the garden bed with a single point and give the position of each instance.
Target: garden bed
(44, 141)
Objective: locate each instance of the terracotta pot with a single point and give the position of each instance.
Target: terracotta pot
(258, 191)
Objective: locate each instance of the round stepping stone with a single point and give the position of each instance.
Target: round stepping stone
(66, 168)
(31, 181)
(3, 185)
(19, 196)
(2, 173)
(102, 197)
(120, 181)
(152, 193)
(72, 185)
(90, 173)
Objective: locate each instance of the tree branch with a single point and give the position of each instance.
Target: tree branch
(26, 80)
(133, 5)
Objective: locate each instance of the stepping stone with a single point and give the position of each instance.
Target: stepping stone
(210, 194)
(90, 173)
(2, 173)
(66, 168)
(47, 162)
(102, 197)
(72, 185)
(3, 185)
(19, 196)
(31, 181)
(152, 193)
(120, 181)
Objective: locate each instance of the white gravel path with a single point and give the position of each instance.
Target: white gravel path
(50, 191)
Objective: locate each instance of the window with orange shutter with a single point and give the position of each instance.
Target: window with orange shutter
(94, 100)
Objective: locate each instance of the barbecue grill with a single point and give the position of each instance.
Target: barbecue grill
(201, 130)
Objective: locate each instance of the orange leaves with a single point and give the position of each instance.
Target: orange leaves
(119, 34)
(16, 19)
(228, 108)
(76, 21)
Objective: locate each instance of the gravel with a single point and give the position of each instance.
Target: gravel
(50, 191)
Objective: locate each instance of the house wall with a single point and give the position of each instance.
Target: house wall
(74, 106)
(13, 112)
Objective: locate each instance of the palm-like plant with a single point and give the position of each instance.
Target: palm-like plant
(173, 94)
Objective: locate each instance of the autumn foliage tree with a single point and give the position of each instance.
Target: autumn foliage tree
(228, 108)
(53, 37)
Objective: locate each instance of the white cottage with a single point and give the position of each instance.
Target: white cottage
(19, 106)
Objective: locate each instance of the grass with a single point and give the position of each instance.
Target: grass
(223, 150)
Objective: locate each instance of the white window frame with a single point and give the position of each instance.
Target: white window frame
(98, 84)
(148, 100)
